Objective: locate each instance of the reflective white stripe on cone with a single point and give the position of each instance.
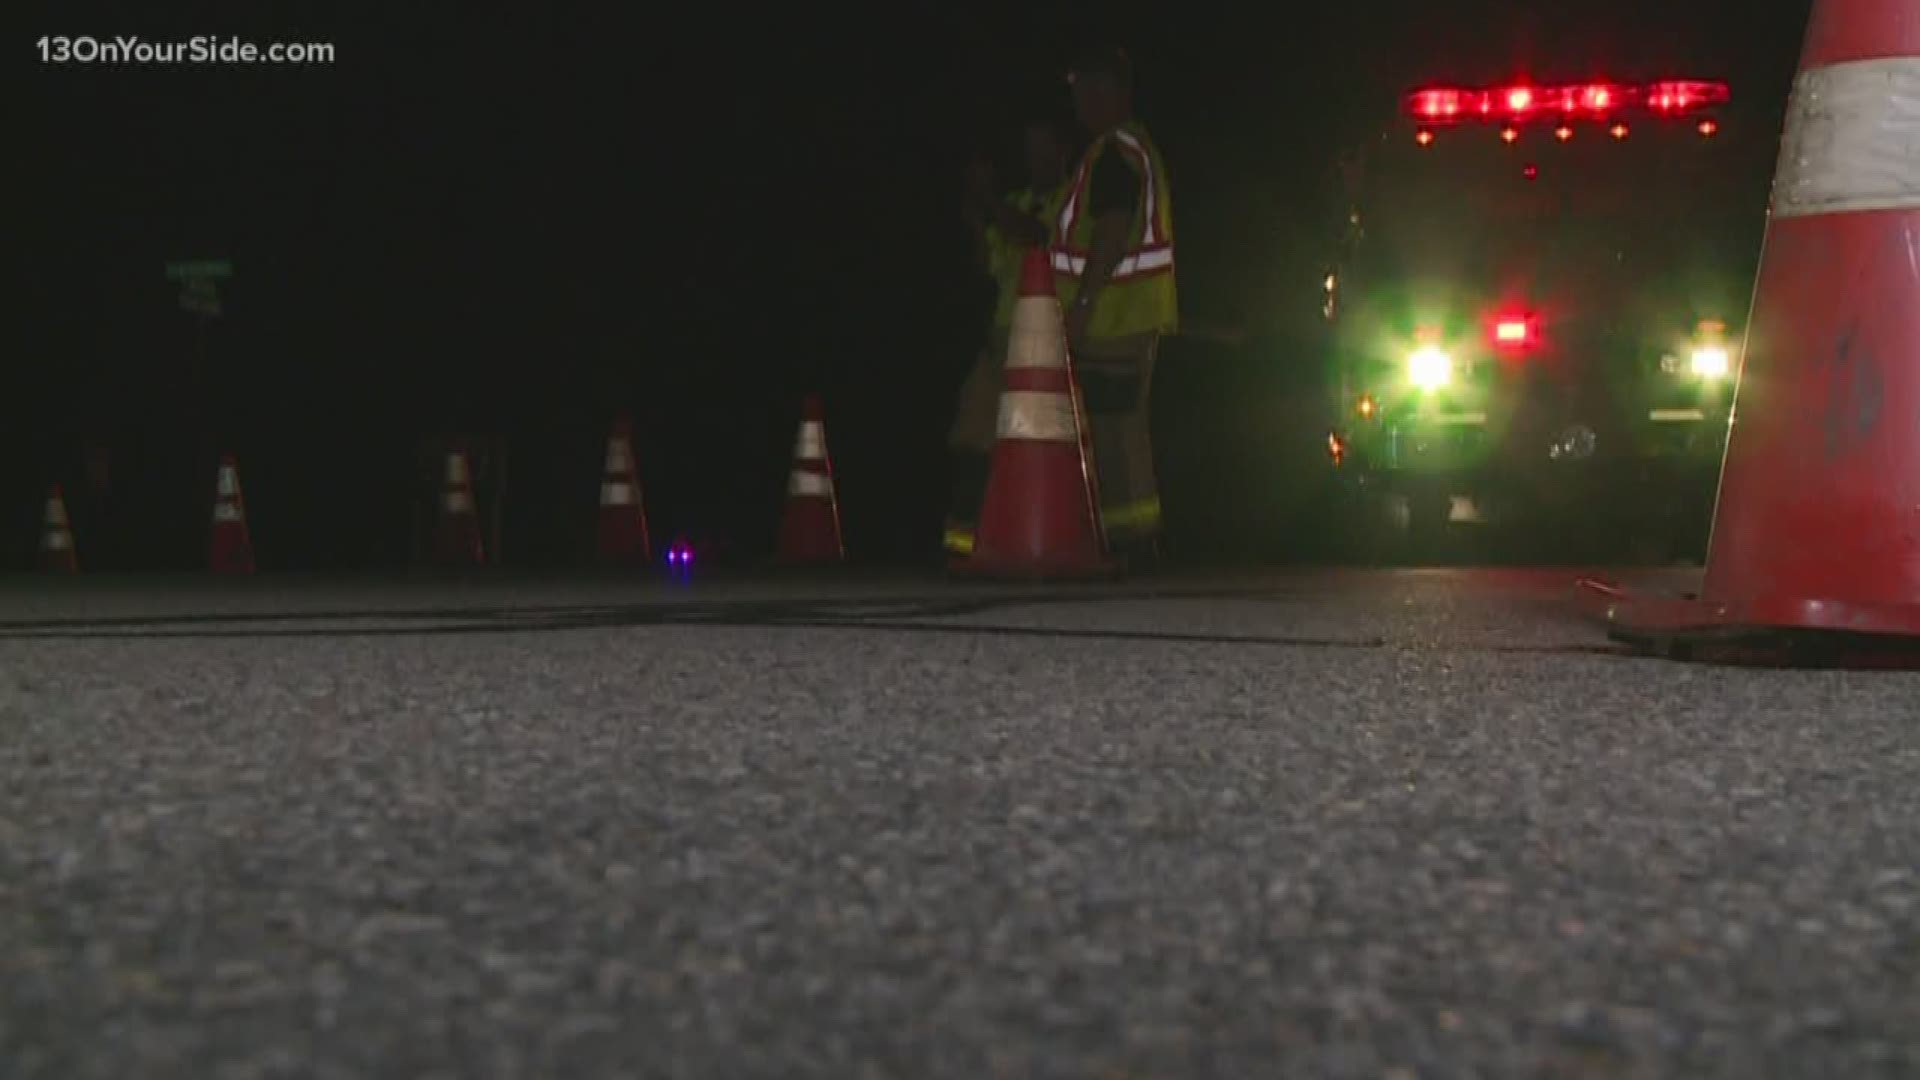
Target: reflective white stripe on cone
(619, 494)
(1851, 132)
(1037, 415)
(811, 484)
(811, 444)
(227, 512)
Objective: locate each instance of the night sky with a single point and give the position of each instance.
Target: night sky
(518, 222)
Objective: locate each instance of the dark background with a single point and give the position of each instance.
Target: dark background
(511, 222)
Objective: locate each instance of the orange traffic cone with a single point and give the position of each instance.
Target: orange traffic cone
(230, 550)
(1040, 518)
(623, 514)
(810, 530)
(1816, 527)
(457, 540)
(57, 554)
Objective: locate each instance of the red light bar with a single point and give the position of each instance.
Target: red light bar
(1681, 95)
(1444, 104)
(1603, 97)
(1600, 100)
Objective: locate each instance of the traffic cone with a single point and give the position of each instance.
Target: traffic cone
(457, 539)
(57, 554)
(810, 529)
(1817, 525)
(1040, 518)
(230, 551)
(623, 514)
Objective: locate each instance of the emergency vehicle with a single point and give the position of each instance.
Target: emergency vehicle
(1534, 313)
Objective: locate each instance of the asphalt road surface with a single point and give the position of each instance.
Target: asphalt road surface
(1390, 825)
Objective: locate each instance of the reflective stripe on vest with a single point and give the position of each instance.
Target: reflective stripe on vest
(1152, 253)
(1139, 264)
(1143, 515)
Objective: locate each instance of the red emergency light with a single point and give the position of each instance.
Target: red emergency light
(1599, 98)
(1685, 95)
(1596, 100)
(1445, 104)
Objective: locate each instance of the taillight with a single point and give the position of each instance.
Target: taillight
(1516, 332)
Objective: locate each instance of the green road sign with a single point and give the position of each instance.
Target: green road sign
(200, 268)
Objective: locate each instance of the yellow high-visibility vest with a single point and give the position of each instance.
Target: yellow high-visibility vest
(1004, 253)
(1140, 297)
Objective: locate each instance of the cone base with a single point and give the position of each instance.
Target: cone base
(810, 534)
(1765, 630)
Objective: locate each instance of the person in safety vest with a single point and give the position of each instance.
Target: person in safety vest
(1113, 263)
(1004, 229)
